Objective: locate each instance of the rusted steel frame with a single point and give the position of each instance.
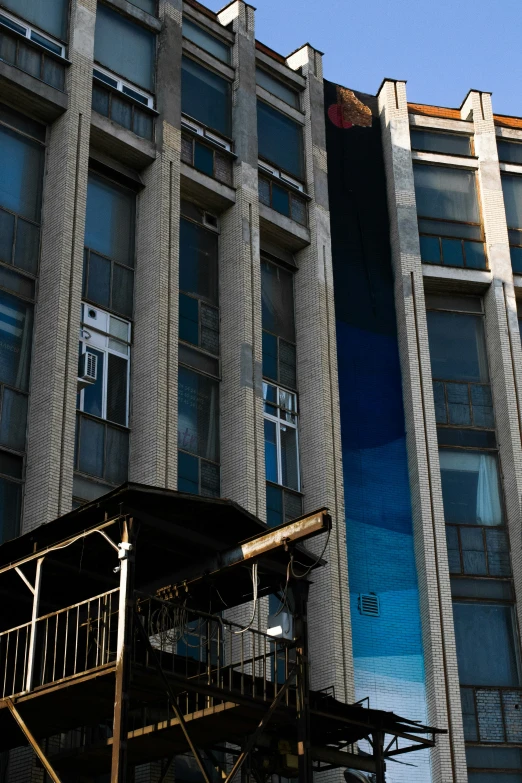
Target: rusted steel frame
(35, 746)
(340, 758)
(261, 727)
(36, 606)
(311, 525)
(62, 544)
(121, 691)
(172, 698)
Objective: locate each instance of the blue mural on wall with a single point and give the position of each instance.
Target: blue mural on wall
(387, 650)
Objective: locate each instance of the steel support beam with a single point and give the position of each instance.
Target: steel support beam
(33, 743)
(34, 616)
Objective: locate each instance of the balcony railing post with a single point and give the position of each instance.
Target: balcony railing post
(32, 643)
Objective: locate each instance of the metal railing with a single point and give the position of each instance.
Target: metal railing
(59, 645)
(463, 404)
(492, 715)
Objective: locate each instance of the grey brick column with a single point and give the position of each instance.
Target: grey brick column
(153, 442)
(442, 684)
(319, 424)
(502, 332)
(242, 439)
(52, 405)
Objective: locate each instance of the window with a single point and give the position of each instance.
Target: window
(280, 140)
(108, 277)
(512, 189)
(281, 454)
(279, 353)
(509, 151)
(209, 158)
(112, 80)
(277, 87)
(48, 15)
(198, 433)
(102, 448)
(470, 487)
(21, 178)
(31, 51)
(206, 97)
(121, 103)
(283, 199)
(449, 218)
(205, 40)
(124, 47)
(495, 660)
(433, 141)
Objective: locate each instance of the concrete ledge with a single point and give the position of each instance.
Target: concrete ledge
(29, 95)
(123, 145)
(136, 13)
(440, 123)
(208, 192)
(282, 230)
(446, 279)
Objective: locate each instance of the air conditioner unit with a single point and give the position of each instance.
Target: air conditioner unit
(88, 370)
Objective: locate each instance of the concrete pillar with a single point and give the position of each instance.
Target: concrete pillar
(242, 439)
(442, 685)
(52, 403)
(502, 332)
(319, 424)
(153, 440)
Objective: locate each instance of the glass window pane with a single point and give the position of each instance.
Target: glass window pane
(14, 419)
(7, 222)
(289, 457)
(430, 250)
(117, 389)
(271, 468)
(280, 200)
(27, 246)
(146, 5)
(117, 459)
(269, 356)
(274, 505)
(124, 47)
(198, 414)
(494, 758)
(287, 364)
(19, 284)
(452, 254)
(280, 139)
(93, 393)
(110, 219)
(512, 189)
(205, 96)
(450, 143)
(277, 292)
(122, 290)
(457, 346)
(92, 447)
(99, 280)
(516, 259)
(495, 589)
(446, 193)
(205, 40)
(10, 506)
(21, 174)
(498, 553)
(188, 473)
(476, 439)
(198, 272)
(494, 660)
(277, 87)
(444, 229)
(509, 152)
(475, 255)
(204, 159)
(470, 487)
(188, 319)
(50, 15)
(16, 335)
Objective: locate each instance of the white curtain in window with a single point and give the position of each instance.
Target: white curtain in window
(488, 501)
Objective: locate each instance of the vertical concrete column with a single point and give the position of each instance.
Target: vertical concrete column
(442, 684)
(319, 423)
(502, 333)
(153, 442)
(52, 405)
(242, 440)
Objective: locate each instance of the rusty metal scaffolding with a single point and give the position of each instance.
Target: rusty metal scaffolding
(118, 647)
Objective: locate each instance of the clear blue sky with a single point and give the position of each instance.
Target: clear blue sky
(442, 48)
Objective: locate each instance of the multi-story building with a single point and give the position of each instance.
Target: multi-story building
(289, 294)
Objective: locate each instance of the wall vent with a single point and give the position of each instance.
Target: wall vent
(369, 604)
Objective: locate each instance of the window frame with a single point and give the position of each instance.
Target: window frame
(29, 29)
(121, 84)
(279, 422)
(198, 126)
(444, 132)
(274, 167)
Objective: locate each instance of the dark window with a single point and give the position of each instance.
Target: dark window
(198, 433)
(493, 661)
(281, 505)
(509, 151)
(206, 40)
(206, 97)
(283, 198)
(124, 47)
(512, 189)
(280, 140)
(457, 347)
(48, 15)
(279, 353)
(432, 141)
(109, 245)
(102, 451)
(470, 487)
(146, 5)
(449, 218)
(277, 87)
(198, 261)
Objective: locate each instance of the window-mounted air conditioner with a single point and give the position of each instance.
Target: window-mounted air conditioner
(88, 370)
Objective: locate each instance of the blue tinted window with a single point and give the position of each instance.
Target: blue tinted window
(49, 15)
(21, 174)
(188, 473)
(430, 250)
(188, 319)
(198, 414)
(204, 159)
(269, 356)
(10, 505)
(446, 193)
(494, 660)
(274, 505)
(16, 327)
(457, 346)
(509, 152)
(431, 141)
(277, 292)
(124, 47)
(206, 41)
(198, 265)
(280, 139)
(205, 96)
(109, 220)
